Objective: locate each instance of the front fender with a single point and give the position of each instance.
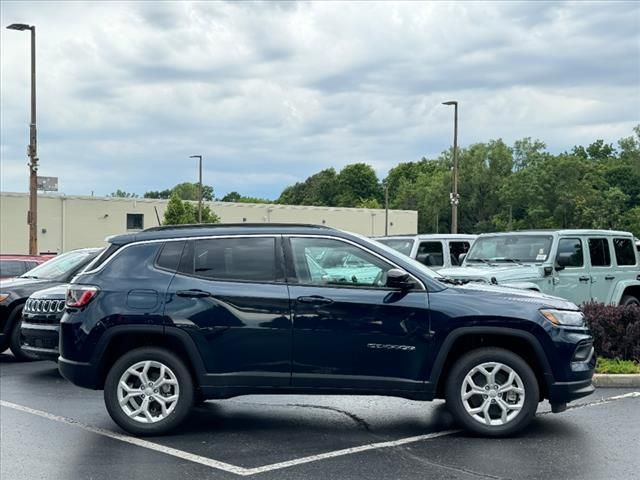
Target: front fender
(620, 288)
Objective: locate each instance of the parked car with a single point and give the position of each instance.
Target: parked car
(14, 293)
(40, 327)
(16, 265)
(436, 251)
(173, 314)
(578, 265)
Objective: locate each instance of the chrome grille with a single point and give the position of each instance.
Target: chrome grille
(34, 305)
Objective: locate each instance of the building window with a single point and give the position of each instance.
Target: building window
(135, 221)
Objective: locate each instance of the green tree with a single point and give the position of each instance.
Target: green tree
(158, 194)
(357, 182)
(181, 212)
(122, 194)
(237, 198)
(319, 189)
(185, 191)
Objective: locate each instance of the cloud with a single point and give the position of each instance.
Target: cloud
(270, 92)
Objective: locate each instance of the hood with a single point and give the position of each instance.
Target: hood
(23, 287)
(57, 292)
(517, 295)
(502, 273)
(15, 282)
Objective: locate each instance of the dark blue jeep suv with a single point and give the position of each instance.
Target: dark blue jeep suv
(174, 315)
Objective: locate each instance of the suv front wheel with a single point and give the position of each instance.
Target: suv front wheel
(492, 392)
(148, 391)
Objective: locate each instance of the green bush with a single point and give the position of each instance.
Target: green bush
(615, 330)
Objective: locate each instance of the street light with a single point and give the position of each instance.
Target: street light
(454, 196)
(199, 157)
(386, 209)
(32, 152)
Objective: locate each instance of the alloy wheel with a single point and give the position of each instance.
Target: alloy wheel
(492, 393)
(148, 391)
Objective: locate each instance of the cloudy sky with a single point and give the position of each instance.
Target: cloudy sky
(269, 93)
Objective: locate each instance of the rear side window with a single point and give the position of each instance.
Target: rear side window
(11, 268)
(430, 253)
(456, 249)
(243, 259)
(599, 252)
(625, 254)
(169, 257)
(572, 249)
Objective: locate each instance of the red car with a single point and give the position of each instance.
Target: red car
(16, 265)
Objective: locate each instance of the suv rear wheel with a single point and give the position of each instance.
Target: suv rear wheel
(149, 391)
(492, 392)
(629, 300)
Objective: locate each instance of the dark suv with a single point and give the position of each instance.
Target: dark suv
(14, 292)
(173, 315)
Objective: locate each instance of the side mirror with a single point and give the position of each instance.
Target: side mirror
(399, 279)
(563, 260)
(461, 258)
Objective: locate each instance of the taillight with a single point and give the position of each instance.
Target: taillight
(79, 296)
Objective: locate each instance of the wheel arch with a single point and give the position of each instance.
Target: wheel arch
(121, 339)
(465, 339)
(629, 287)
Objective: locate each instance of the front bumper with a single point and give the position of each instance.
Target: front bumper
(565, 392)
(41, 340)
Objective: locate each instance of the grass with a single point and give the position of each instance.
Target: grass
(613, 365)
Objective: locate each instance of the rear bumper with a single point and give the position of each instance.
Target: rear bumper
(79, 373)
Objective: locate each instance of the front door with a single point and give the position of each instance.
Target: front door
(574, 282)
(230, 296)
(349, 330)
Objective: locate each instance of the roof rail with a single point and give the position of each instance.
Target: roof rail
(225, 225)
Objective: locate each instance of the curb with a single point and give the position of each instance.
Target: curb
(605, 380)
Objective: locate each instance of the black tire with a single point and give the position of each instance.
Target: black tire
(183, 404)
(454, 386)
(629, 300)
(15, 337)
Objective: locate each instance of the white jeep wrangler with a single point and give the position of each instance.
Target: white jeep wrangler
(578, 265)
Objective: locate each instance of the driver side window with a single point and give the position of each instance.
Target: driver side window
(322, 261)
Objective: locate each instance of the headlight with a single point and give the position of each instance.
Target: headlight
(3, 297)
(564, 317)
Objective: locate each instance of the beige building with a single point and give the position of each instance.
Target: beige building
(68, 222)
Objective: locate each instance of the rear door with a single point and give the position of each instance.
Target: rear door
(602, 270)
(229, 294)
(349, 330)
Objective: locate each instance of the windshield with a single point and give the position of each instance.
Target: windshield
(510, 248)
(402, 245)
(61, 265)
(395, 255)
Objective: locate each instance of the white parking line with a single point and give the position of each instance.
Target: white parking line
(227, 467)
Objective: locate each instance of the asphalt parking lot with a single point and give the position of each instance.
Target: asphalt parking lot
(51, 429)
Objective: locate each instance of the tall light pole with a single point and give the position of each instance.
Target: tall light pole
(32, 151)
(199, 157)
(454, 196)
(386, 210)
